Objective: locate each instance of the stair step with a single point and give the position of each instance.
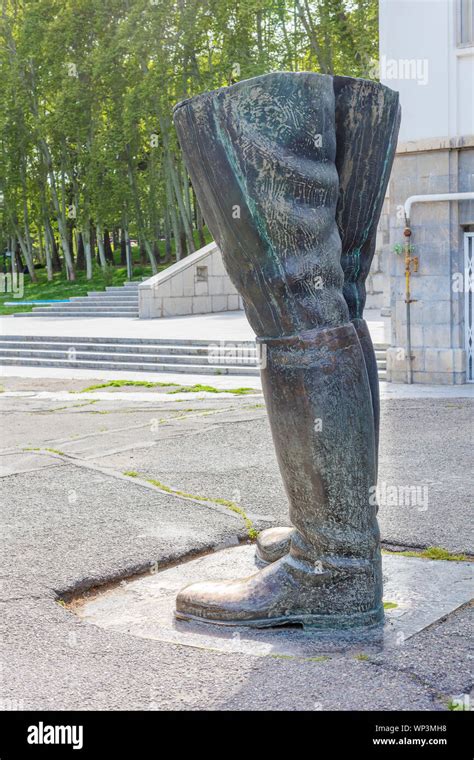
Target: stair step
(106, 299)
(41, 353)
(85, 306)
(181, 342)
(97, 301)
(204, 369)
(118, 341)
(124, 348)
(102, 304)
(66, 315)
(121, 288)
(121, 293)
(105, 354)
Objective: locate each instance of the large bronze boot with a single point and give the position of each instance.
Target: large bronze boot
(367, 124)
(261, 155)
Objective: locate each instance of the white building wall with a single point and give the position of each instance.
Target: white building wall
(422, 56)
(418, 38)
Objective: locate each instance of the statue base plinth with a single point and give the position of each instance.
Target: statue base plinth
(417, 593)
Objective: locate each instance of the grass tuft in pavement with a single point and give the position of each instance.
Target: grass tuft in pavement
(210, 389)
(178, 388)
(125, 383)
(231, 505)
(432, 552)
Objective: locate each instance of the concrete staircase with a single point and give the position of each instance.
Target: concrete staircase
(198, 357)
(111, 302)
(381, 356)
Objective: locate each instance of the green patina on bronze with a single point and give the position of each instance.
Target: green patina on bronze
(290, 171)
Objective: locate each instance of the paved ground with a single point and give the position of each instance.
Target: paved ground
(230, 325)
(73, 520)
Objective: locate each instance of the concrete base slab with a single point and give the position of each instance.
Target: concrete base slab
(26, 461)
(417, 593)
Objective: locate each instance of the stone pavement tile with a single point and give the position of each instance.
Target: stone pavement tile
(220, 448)
(229, 325)
(26, 461)
(66, 526)
(237, 461)
(425, 444)
(89, 429)
(440, 656)
(53, 661)
(53, 423)
(153, 426)
(257, 490)
(232, 461)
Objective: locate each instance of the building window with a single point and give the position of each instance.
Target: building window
(465, 23)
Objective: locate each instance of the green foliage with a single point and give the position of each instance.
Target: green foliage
(126, 383)
(87, 144)
(210, 389)
(59, 288)
(179, 388)
(459, 704)
(231, 505)
(432, 552)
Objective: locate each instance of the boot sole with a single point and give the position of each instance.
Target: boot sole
(365, 620)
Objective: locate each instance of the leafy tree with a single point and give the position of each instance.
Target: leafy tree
(87, 145)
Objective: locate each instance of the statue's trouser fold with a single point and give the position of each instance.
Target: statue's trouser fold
(319, 405)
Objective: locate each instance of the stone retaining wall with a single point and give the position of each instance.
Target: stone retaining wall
(198, 284)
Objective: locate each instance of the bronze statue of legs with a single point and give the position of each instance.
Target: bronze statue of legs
(263, 160)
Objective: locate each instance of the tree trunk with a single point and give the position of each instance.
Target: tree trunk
(25, 251)
(60, 216)
(199, 221)
(174, 221)
(186, 223)
(100, 246)
(19, 266)
(128, 253)
(41, 254)
(183, 240)
(123, 248)
(57, 264)
(13, 260)
(80, 258)
(109, 256)
(86, 237)
(48, 247)
(139, 217)
(167, 235)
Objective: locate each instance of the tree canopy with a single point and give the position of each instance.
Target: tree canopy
(87, 147)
